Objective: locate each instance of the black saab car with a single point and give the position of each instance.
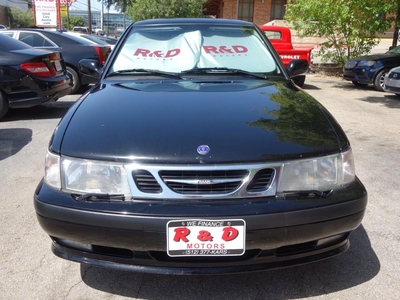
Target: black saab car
(195, 153)
(29, 77)
(371, 69)
(73, 49)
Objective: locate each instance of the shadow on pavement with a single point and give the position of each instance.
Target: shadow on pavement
(12, 140)
(51, 110)
(358, 265)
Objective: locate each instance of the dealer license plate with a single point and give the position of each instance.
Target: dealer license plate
(206, 237)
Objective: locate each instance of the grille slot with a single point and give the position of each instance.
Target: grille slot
(261, 181)
(203, 182)
(146, 182)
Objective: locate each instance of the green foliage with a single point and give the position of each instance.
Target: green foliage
(21, 18)
(73, 21)
(348, 27)
(152, 9)
(121, 5)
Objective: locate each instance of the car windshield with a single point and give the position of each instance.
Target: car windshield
(395, 50)
(201, 48)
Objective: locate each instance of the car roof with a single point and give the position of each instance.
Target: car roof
(193, 21)
(51, 34)
(95, 39)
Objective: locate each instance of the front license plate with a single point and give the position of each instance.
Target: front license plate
(58, 66)
(206, 237)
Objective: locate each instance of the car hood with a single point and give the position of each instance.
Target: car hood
(378, 56)
(166, 122)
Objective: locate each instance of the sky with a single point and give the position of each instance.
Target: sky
(94, 6)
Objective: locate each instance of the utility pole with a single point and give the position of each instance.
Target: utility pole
(396, 30)
(89, 18)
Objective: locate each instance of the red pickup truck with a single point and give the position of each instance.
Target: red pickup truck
(281, 39)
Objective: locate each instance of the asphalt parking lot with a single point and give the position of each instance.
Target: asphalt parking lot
(368, 270)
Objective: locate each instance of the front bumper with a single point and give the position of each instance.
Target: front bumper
(361, 75)
(392, 85)
(276, 236)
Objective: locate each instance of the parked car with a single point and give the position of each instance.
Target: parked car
(73, 49)
(3, 27)
(80, 29)
(392, 81)
(195, 153)
(281, 38)
(96, 39)
(371, 69)
(28, 76)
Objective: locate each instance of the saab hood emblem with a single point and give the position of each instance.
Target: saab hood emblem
(203, 149)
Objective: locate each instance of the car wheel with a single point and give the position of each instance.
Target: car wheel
(378, 82)
(299, 80)
(3, 105)
(76, 82)
(359, 84)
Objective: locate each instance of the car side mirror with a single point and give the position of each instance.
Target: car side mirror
(297, 67)
(90, 68)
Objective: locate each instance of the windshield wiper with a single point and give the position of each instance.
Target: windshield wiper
(146, 72)
(225, 71)
(96, 197)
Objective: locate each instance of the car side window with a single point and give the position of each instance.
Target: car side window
(35, 40)
(273, 35)
(10, 34)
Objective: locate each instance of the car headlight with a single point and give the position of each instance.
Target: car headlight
(366, 63)
(319, 174)
(85, 176)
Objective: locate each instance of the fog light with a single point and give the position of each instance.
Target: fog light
(73, 244)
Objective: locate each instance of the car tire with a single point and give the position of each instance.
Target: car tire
(378, 81)
(76, 81)
(3, 105)
(359, 84)
(299, 80)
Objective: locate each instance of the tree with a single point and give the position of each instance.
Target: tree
(152, 9)
(73, 21)
(122, 5)
(348, 27)
(21, 18)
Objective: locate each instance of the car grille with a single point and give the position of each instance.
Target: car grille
(203, 182)
(166, 182)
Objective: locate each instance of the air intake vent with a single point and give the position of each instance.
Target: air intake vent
(146, 182)
(261, 181)
(203, 182)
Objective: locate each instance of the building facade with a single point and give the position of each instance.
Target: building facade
(257, 11)
(106, 21)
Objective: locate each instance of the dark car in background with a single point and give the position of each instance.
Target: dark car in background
(371, 69)
(96, 39)
(73, 48)
(195, 153)
(29, 76)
